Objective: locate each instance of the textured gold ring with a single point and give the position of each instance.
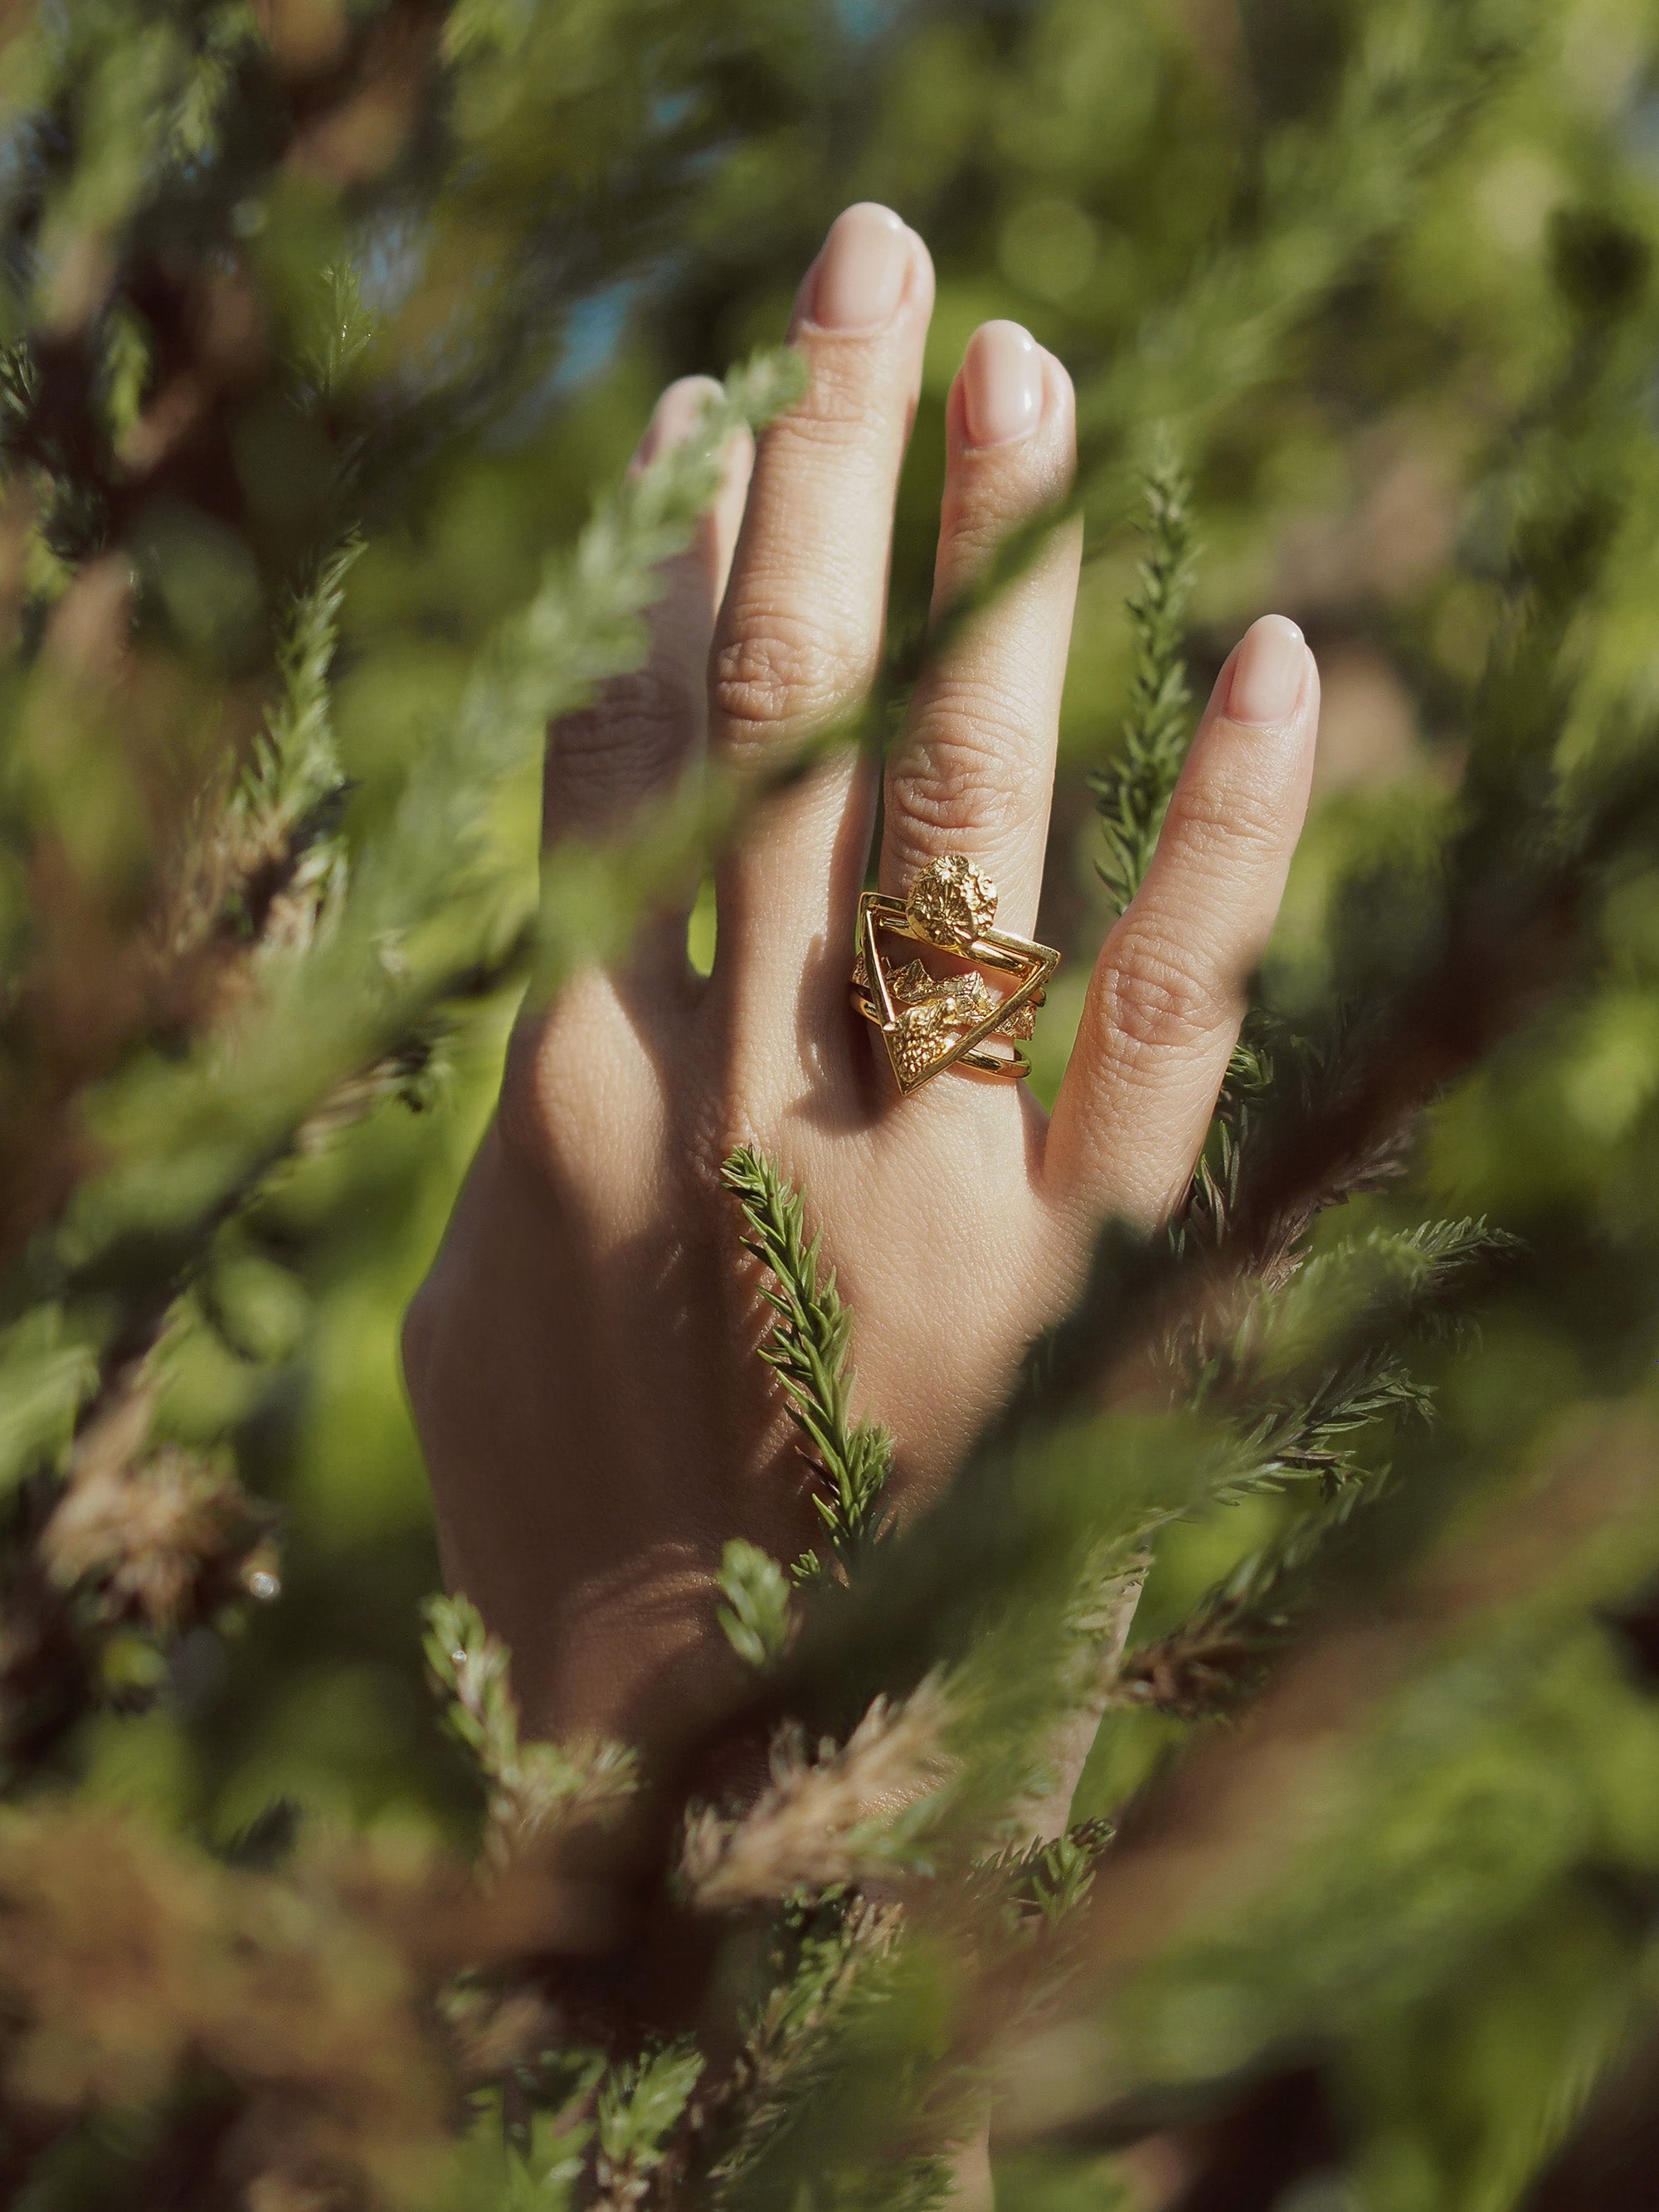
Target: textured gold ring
(929, 1023)
(1014, 1066)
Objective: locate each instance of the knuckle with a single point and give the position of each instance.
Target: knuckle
(854, 392)
(632, 733)
(1238, 818)
(966, 774)
(1155, 997)
(835, 417)
(776, 673)
(657, 699)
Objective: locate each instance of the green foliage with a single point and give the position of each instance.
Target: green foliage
(297, 768)
(532, 1787)
(825, 1954)
(639, 2106)
(807, 1348)
(530, 2169)
(1132, 791)
(328, 330)
(755, 1614)
(1050, 1879)
(1060, 1873)
(42, 1380)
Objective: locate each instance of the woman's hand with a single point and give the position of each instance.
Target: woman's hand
(581, 1357)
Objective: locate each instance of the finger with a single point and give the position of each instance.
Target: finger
(974, 771)
(800, 637)
(1167, 994)
(642, 730)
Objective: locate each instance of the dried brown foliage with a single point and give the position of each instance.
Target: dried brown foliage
(825, 1818)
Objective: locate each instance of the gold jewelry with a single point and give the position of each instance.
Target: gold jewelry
(929, 1023)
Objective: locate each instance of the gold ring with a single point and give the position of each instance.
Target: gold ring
(929, 1023)
(1013, 1065)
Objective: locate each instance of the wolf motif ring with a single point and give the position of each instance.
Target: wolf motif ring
(929, 1023)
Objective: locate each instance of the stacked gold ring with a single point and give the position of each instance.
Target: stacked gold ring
(930, 1022)
(1013, 1067)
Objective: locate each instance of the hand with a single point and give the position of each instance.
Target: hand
(581, 1357)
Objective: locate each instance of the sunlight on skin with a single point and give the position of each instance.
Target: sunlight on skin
(586, 1514)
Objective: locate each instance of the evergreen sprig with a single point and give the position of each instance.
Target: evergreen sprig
(186, 183)
(640, 2103)
(1313, 1361)
(755, 1618)
(807, 1350)
(834, 1813)
(825, 1952)
(1212, 1660)
(1132, 791)
(531, 1788)
(1316, 1367)
(280, 838)
(296, 765)
(1044, 1882)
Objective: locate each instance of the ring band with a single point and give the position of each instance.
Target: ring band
(930, 1022)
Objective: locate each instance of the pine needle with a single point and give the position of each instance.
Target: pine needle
(531, 1788)
(839, 1815)
(755, 1619)
(1132, 791)
(807, 1348)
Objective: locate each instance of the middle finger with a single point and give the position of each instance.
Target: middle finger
(800, 637)
(974, 771)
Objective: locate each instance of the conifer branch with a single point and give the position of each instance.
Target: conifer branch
(1338, 1340)
(1215, 1658)
(825, 1954)
(1315, 1360)
(340, 333)
(216, 1122)
(1042, 1883)
(278, 849)
(755, 1619)
(531, 1789)
(839, 1815)
(807, 1350)
(297, 765)
(640, 2103)
(1132, 790)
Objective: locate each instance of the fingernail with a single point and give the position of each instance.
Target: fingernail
(1001, 383)
(861, 270)
(1267, 671)
(675, 417)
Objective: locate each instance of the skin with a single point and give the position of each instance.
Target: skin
(581, 1358)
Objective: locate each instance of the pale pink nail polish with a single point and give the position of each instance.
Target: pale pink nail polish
(1267, 671)
(860, 273)
(1001, 383)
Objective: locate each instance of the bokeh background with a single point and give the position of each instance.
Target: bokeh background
(1342, 306)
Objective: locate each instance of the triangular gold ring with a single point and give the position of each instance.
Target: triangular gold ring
(929, 1023)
